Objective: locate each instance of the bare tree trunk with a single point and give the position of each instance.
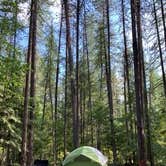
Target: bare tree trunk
(77, 70)
(81, 114)
(163, 19)
(66, 101)
(26, 95)
(32, 84)
(101, 82)
(89, 77)
(160, 50)
(71, 73)
(15, 29)
(44, 100)
(109, 86)
(144, 90)
(56, 87)
(125, 108)
(53, 120)
(50, 59)
(44, 107)
(101, 64)
(84, 136)
(82, 92)
(137, 50)
(150, 156)
(126, 75)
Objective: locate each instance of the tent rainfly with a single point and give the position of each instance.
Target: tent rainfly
(85, 156)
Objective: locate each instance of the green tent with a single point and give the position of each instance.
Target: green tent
(85, 156)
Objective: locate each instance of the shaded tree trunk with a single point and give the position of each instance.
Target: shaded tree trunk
(71, 75)
(137, 51)
(160, 49)
(66, 101)
(44, 107)
(126, 74)
(101, 57)
(32, 84)
(109, 86)
(89, 77)
(15, 29)
(163, 19)
(50, 62)
(26, 91)
(77, 69)
(150, 156)
(56, 86)
(44, 100)
(144, 89)
(82, 81)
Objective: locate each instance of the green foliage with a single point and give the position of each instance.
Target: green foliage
(11, 83)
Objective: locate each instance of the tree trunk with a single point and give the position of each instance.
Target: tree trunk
(26, 94)
(82, 92)
(98, 139)
(66, 101)
(89, 77)
(44, 108)
(144, 90)
(32, 84)
(84, 136)
(71, 75)
(50, 60)
(109, 86)
(137, 51)
(56, 85)
(126, 75)
(44, 100)
(77, 70)
(160, 49)
(15, 29)
(163, 19)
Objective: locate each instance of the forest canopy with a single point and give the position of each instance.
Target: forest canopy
(83, 73)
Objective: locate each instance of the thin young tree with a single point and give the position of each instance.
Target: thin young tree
(89, 73)
(66, 101)
(160, 49)
(77, 68)
(44, 105)
(101, 53)
(82, 81)
(56, 86)
(50, 58)
(109, 85)
(163, 20)
(126, 71)
(15, 21)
